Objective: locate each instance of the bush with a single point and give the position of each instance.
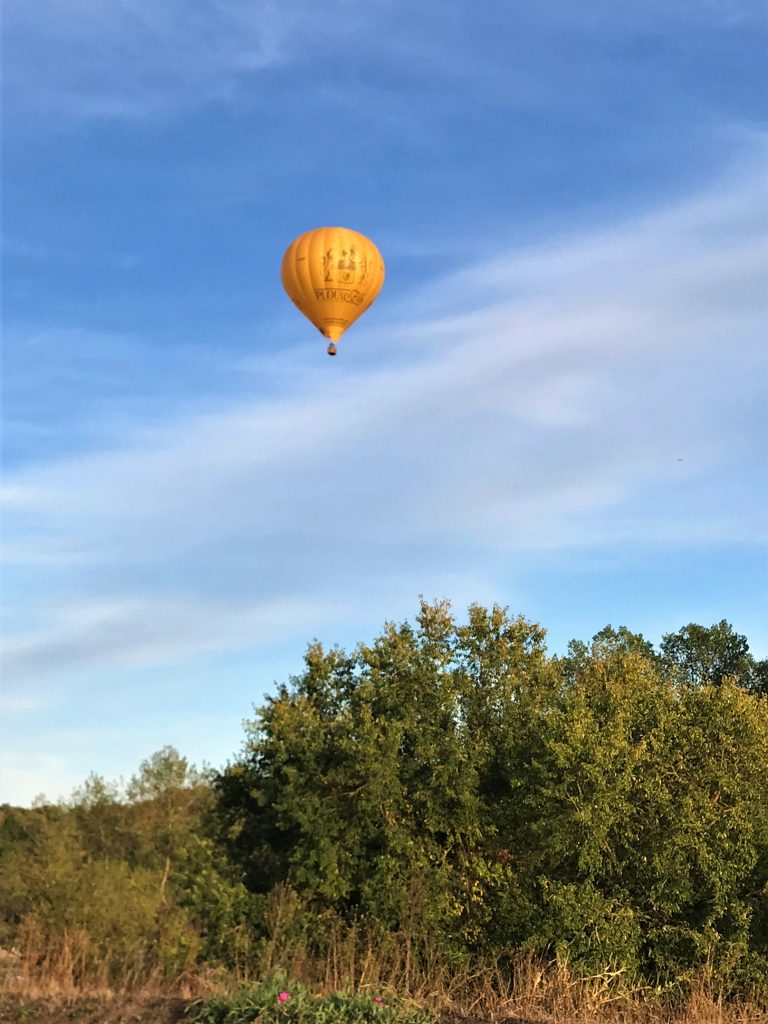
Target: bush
(454, 782)
(278, 1001)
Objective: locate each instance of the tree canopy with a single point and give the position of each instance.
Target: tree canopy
(457, 781)
(450, 781)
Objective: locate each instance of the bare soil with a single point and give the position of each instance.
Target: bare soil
(15, 1009)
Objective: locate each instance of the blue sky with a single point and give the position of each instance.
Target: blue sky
(557, 403)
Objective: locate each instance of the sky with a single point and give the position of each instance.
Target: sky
(558, 402)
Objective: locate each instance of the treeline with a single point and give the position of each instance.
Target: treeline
(451, 787)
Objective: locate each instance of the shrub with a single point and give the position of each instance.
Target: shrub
(279, 1001)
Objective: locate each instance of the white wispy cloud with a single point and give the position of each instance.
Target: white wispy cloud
(127, 58)
(123, 59)
(10, 703)
(143, 631)
(600, 391)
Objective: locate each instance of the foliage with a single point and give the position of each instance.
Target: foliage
(436, 799)
(454, 781)
(279, 1001)
(131, 884)
(699, 655)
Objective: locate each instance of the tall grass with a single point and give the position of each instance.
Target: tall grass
(351, 960)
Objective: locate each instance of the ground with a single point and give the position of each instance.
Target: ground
(90, 1010)
(16, 1009)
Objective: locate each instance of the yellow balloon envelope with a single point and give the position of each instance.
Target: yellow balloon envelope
(333, 275)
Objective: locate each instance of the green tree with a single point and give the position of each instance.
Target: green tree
(162, 773)
(759, 677)
(453, 780)
(642, 824)
(136, 881)
(367, 783)
(700, 655)
(608, 640)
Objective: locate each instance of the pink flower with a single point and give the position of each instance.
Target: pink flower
(283, 997)
(378, 999)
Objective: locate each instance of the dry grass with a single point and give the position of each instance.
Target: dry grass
(518, 987)
(68, 967)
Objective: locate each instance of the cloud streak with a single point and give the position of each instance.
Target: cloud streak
(594, 392)
(143, 632)
(129, 58)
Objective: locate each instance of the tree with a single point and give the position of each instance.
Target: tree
(606, 642)
(454, 781)
(759, 678)
(369, 782)
(700, 655)
(164, 771)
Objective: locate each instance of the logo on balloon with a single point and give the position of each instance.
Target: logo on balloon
(345, 294)
(346, 267)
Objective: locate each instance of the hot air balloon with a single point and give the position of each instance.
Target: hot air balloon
(333, 275)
